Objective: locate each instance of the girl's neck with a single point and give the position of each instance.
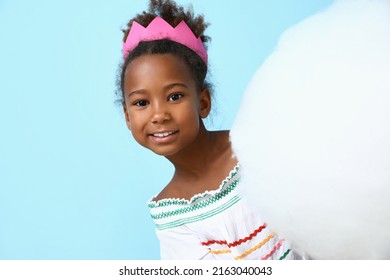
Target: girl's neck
(200, 167)
(195, 159)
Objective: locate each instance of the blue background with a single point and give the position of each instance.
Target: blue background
(73, 182)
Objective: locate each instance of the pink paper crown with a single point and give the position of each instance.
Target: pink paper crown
(160, 29)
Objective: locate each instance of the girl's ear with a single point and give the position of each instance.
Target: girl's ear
(126, 115)
(204, 103)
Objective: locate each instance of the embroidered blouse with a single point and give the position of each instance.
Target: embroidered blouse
(217, 224)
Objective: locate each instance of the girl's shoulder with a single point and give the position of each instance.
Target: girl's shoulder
(169, 192)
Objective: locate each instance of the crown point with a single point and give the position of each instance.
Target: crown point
(159, 29)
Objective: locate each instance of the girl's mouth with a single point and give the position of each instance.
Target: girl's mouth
(163, 134)
(163, 137)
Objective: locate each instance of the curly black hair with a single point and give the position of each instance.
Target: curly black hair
(173, 14)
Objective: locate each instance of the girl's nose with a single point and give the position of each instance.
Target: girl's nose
(160, 113)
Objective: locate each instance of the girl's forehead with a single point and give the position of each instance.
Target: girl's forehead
(157, 60)
(157, 69)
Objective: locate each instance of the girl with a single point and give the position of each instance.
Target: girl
(202, 213)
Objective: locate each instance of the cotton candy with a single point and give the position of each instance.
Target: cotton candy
(313, 133)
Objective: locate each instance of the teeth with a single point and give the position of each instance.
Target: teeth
(165, 134)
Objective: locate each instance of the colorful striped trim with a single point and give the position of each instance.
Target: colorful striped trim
(220, 252)
(198, 206)
(210, 242)
(181, 201)
(277, 246)
(252, 235)
(285, 254)
(199, 217)
(254, 248)
(167, 202)
(238, 242)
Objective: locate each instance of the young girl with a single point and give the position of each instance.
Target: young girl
(202, 213)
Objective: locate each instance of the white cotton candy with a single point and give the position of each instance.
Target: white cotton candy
(313, 133)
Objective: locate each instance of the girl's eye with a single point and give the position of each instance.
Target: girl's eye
(175, 96)
(141, 103)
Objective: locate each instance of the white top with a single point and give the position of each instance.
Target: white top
(217, 224)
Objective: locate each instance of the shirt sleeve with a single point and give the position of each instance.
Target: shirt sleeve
(180, 244)
(250, 238)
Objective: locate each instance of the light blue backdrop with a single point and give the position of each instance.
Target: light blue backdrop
(73, 183)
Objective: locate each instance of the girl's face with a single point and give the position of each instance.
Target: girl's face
(163, 107)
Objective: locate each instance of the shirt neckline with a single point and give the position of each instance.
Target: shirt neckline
(182, 201)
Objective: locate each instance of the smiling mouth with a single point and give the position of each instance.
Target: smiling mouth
(163, 134)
